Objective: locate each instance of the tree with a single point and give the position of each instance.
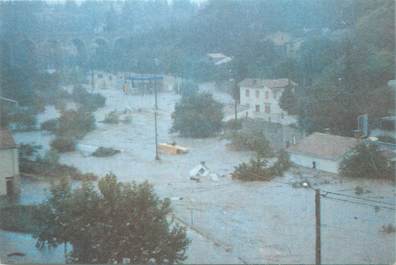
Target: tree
(116, 221)
(288, 101)
(251, 139)
(256, 169)
(198, 116)
(366, 161)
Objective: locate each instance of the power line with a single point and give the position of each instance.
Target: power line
(359, 203)
(358, 198)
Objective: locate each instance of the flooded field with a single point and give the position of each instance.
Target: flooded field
(228, 221)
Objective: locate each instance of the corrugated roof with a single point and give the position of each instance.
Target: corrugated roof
(270, 83)
(323, 145)
(6, 139)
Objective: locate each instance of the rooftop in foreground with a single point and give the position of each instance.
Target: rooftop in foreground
(326, 146)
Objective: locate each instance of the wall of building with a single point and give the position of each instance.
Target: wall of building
(321, 164)
(9, 167)
(280, 136)
(257, 97)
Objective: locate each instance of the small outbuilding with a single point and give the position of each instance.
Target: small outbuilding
(9, 166)
(321, 151)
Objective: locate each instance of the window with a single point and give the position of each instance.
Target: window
(267, 108)
(266, 95)
(247, 92)
(257, 93)
(257, 108)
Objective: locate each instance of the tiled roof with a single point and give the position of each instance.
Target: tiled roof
(326, 146)
(270, 83)
(6, 139)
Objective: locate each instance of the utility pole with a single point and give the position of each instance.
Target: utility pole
(317, 241)
(155, 121)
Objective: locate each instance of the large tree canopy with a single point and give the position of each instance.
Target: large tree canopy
(366, 161)
(111, 223)
(198, 115)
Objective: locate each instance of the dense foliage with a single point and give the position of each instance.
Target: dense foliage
(251, 139)
(366, 161)
(17, 218)
(105, 151)
(288, 101)
(47, 166)
(198, 116)
(340, 52)
(258, 169)
(88, 102)
(116, 221)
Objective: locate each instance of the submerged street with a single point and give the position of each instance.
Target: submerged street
(228, 221)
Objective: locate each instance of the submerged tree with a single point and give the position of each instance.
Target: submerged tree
(366, 161)
(288, 101)
(117, 221)
(197, 115)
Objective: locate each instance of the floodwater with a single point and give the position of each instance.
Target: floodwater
(230, 221)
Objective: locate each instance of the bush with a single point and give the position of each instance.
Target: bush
(63, 144)
(249, 139)
(18, 218)
(256, 169)
(28, 151)
(50, 169)
(388, 229)
(233, 125)
(127, 119)
(89, 101)
(282, 163)
(198, 116)
(51, 157)
(75, 124)
(105, 151)
(366, 161)
(112, 117)
(24, 120)
(50, 125)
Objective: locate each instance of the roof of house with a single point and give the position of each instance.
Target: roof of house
(326, 146)
(270, 83)
(6, 139)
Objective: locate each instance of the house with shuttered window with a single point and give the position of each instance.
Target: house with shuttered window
(261, 98)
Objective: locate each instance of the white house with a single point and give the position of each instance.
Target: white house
(261, 97)
(9, 167)
(321, 151)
